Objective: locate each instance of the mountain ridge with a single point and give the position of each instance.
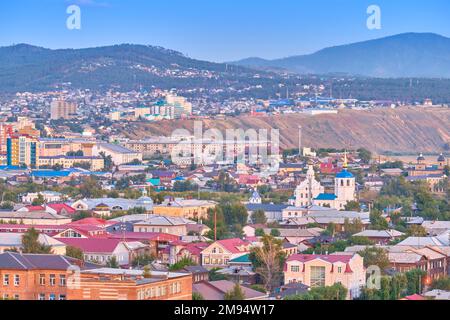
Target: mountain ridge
(403, 55)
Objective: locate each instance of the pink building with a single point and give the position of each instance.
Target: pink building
(325, 270)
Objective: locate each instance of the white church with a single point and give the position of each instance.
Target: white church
(311, 192)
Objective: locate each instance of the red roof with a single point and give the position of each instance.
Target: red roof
(332, 258)
(58, 207)
(144, 236)
(248, 179)
(92, 245)
(233, 244)
(35, 208)
(93, 222)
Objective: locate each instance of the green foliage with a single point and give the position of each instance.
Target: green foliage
(353, 206)
(441, 284)
(184, 262)
(415, 279)
(39, 201)
(268, 261)
(334, 292)
(235, 294)
(142, 260)
(258, 287)
(147, 274)
(365, 155)
(374, 256)
(259, 232)
(183, 186)
(74, 252)
(215, 276)
(275, 233)
(258, 217)
(112, 263)
(31, 244)
(197, 296)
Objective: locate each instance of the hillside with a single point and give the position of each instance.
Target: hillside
(25, 67)
(403, 55)
(400, 130)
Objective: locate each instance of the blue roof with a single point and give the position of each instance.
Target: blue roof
(50, 173)
(326, 196)
(265, 207)
(344, 174)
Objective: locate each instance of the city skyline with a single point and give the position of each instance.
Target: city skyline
(216, 31)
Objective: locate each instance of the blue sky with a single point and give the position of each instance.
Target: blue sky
(217, 30)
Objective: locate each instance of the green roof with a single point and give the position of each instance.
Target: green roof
(242, 259)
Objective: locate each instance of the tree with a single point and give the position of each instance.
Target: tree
(416, 231)
(441, 284)
(74, 252)
(353, 227)
(377, 221)
(365, 155)
(373, 256)
(353, 206)
(112, 263)
(39, 201)
(235, 294)
(108, 162)
(259, 232)
(275, 233)
(197, 296)
(184, 262)
(147, 274)
(258, 217)
(334, 292)
(31, 244)
(142, 260)
(415, 279)
(268, 261)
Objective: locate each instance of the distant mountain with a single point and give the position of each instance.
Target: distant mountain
(404, 55)
(25, 67)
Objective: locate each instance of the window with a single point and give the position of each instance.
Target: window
(317, 276)
(6, 279)
(41, 296)
(52, 296)
(42, 279)
(16, 297)
(52, 280)
(339, 269)
(5, 296)
(62, 280)
(295, 268)
(16, 280)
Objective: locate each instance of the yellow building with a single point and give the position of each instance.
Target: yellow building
(96, 163)
(22, 150)
(189, 209)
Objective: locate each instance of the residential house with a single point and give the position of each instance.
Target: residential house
(219, 253)
(326, 270)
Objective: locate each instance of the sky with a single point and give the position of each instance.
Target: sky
(217, 30)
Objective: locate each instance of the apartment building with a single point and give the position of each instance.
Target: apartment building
(22, 150)
(117, 284)
(60, 109)
(34, 276)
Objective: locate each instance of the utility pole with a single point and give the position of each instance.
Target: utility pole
(215, 224)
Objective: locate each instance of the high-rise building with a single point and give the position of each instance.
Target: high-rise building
(5, 131)
(22, 150)
(60, 109)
